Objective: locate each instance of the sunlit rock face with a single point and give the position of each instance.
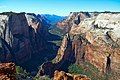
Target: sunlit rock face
(74, 18)
(24, 34)
(7, 71)
(4, 29)
(61, 75)
(98, 39)
(65, 51)
(102, 32)
(5, 39)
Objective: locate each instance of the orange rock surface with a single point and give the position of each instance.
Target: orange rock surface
(61, 75)
(7, 71)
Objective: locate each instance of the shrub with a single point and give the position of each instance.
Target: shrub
(75, 69)
(22, 74)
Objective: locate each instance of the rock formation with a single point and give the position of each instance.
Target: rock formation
(7, 71)
(74, 18)
(24, 40)
(5, 51)
(65, 51)
(21, 36)
(102, 32)
(62, 61)
(94, 38)
(61, 75)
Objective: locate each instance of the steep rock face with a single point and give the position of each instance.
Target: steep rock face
(5, 39)
(4, 30)
(73, 19)
(79, 47)
(65, 57)
(96, 39)
(24, 35)
(102, 32)
(64, 50)
(7, 71)
(20, 31)
(5, 51)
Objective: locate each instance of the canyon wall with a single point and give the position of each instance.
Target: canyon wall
(21, 36)
(95, 38)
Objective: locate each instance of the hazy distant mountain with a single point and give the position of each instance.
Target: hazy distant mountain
(53, 19)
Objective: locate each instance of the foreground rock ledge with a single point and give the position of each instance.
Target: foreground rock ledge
(61, 75)
(7, 71)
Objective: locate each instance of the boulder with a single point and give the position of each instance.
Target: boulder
(7, 71)
(61, 75)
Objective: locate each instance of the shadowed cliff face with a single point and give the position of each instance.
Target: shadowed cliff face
(5, 51)
(24, 40)
(24, 36)
(21, 38)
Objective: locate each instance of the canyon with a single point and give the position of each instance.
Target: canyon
(88, 38)
(24, 40)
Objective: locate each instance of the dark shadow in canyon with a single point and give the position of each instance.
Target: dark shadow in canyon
(108, 64)
(48, 68)
(6, 52)
(53, 37)
(47, 54)
(68, 58)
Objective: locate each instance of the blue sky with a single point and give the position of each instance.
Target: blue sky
(59, 7)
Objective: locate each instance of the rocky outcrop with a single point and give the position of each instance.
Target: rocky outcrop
(73, 19)
(61, 75)
(7, 71)
(22, 36)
